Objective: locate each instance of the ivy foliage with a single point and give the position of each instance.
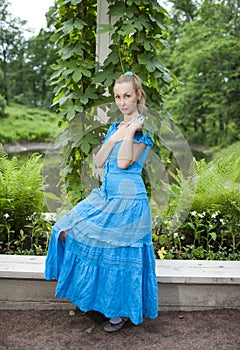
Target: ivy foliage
(138, 36)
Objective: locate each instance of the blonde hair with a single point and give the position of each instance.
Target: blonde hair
(137, 86)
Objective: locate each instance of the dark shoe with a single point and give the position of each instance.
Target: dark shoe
(96, 316)
(111, 326)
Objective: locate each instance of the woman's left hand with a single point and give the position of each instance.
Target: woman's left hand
(136, 124)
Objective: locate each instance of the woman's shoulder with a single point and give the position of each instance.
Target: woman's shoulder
(143, 138)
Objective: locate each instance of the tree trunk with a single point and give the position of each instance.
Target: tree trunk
(5, 80)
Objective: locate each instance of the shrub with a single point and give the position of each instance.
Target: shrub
(21, 194)
(212, 228)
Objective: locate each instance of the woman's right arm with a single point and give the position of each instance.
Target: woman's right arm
(107, 147)
(102, 155)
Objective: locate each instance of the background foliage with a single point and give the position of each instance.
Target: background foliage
(204, 53)
(212, 228)
(27, 124)
(21, 196)
(25, 63)
(197, 41)
(199, 44)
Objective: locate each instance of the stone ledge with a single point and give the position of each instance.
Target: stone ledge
(168, 271)
(198, 271)
(184, 285)
(21, 266)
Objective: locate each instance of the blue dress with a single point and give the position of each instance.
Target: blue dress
(107, 262)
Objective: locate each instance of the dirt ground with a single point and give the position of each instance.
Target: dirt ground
(59, 330)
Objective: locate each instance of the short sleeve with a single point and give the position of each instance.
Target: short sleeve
(144, 138)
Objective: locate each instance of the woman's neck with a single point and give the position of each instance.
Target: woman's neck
(129, 118)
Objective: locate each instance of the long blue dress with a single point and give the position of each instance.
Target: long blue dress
(107, 262)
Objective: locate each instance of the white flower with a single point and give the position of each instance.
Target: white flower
(6, 215)
(214, 215)
(50, 217)
(194, 213)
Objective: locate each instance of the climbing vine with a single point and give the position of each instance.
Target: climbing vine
(138, 36)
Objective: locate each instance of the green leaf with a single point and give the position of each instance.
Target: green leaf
(213, 235)
(99, 78)
(167, 78)
(93, 139)
(71, 113)
(68, 26)
(84, 99)
(77, 75)
(75, 2)
(128, 28)
(67, 53)
(138, 26)
(147, 46)
(106, 28)
(50, 195)
(91, 93)
(79, 24)
(90, 329)
(144, 21)
(86, 72)
(85, 146)
(143, 58)
(117, 9)
(129, 39)
(78, 49)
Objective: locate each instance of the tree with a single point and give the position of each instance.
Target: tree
(31, 71)
(25, 63)
(11, 38)
(205, 57)
(183, 11)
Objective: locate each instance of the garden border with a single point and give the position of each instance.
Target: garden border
(184, 285)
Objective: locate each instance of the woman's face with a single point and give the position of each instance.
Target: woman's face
(126, 99)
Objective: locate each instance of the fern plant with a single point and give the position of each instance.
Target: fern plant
(218, 185)
(213, 186)
(21, 193)
(211, 229)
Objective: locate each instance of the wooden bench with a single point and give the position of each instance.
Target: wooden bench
(183, 284)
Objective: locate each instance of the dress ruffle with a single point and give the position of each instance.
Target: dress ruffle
(108, 222)
(115, 281)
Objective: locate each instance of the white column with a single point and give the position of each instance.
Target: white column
(102, 40)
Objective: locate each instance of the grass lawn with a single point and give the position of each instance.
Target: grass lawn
(27, 123)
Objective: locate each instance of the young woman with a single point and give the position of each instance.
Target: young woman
(101, 251)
